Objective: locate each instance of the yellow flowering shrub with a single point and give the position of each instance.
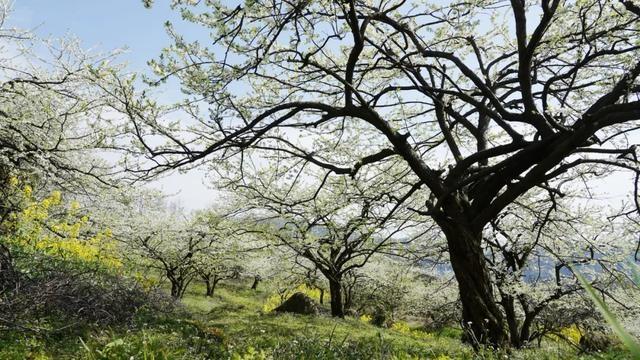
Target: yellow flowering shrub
(404, 328)
(272, 302)
(49, 227)
(365, 318)
(313, 293)
(572, 333)
(401, 326)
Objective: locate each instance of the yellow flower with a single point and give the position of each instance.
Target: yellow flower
(35, 231)
(13, 181)
(572, 333)
(28, 191)
(56, 197)
(401, 326)
(74, 206)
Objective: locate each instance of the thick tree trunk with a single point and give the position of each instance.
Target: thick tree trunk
(256, 281)
(179, 284)
(176, 289)
(348, 297)
(525, 330)
(211, 283)
(512, 320)
(335, 289)
(481, 315)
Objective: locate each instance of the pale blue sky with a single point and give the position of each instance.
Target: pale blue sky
(102, 24)
(105, 25)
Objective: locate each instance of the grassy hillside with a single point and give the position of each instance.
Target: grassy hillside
(232, 325)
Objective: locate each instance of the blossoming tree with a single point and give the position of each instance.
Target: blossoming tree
(479, 101)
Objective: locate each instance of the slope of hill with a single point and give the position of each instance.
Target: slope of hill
(233, 325)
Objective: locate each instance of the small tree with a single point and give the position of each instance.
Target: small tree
(335, 230)
(166, 242)
(221, 259)
(213, 268)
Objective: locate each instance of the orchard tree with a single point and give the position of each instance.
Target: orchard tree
(171, 253)
(387, 287)
(266, 264)
(52, 111)
(481, 101)
(213, 266)
(165, 241)
(159, 236)
(334, 230)
(221, 259)
(51, 127)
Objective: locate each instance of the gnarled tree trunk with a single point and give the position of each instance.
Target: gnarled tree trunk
(256, 281)
(177, 289)
(179, 284)
(211, 283)
(508, 304)
(481, 315)
(335, 289)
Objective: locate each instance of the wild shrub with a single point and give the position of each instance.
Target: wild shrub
(57, 272)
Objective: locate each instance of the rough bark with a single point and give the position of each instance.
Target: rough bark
(525, 331)
(481, 316)
(178, 285)
(512, 320)
(337, 306)
(176, 289)
(211, 284)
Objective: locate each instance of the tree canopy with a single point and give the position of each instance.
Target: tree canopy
(442, 162)
(478, 102)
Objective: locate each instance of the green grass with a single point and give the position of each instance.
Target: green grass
(231, 325)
